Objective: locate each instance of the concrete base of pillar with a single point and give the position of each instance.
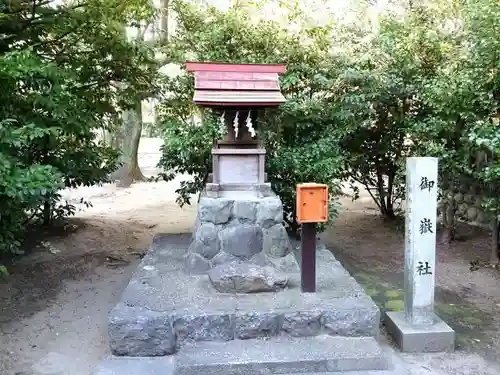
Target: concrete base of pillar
(438, 337)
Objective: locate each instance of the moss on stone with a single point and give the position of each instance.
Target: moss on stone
(395, 305)
(395, 293)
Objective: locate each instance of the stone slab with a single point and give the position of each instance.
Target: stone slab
(396, 367)
(238, 169)
(281, 355)
(160, 290)
(135, 366)
(135, 331)
(438, 337)
(166, 366)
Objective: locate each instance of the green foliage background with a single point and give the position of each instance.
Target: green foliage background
(64, 72)
(297, 137)
(423, 83)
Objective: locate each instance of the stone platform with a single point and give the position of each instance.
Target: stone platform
(171, 323)
(163, 309)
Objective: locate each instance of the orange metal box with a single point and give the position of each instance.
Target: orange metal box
(312, 203)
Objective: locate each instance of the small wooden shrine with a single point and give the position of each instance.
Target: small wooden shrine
(237, 92)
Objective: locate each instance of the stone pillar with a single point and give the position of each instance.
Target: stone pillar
(418, 329)
(420, 236)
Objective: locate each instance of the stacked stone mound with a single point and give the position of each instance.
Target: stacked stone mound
(468, 206)
(237, 230)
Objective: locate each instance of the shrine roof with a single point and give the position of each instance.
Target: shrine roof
(223, 84)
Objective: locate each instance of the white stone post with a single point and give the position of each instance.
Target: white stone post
(420, 244)
(418, 329)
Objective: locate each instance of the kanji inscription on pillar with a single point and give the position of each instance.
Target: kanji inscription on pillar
(420, 243)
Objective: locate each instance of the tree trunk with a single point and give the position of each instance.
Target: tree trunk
(449, 222)
(130, 136)
(164, 21)
(494, 259)
(388, 196)
(134, 172)
(385, 196)
(47, 213)
(116, 137)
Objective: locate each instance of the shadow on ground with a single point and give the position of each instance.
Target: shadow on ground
(40, 275)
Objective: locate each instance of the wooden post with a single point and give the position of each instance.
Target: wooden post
(312, 208)
(308, 258)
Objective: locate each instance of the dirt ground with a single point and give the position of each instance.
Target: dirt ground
(371, 249)
(55, 302)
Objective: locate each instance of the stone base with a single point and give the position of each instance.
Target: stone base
(237, 227)
(438, 337)
(284, 355)
(163, 309)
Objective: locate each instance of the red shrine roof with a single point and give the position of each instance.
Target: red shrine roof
(223, 84)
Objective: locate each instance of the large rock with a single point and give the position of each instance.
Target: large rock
(196, 264)
(352, 323)
(139, 332)
(241, 277)
(215, 210)
(245, 211)
(260, 259)
(204, 327)
(255, 325)
(270, 212)
(206, 242)
(276, 241)
(196, 225)
(472, 213)
(302, 323)
(241, 240)
(222, 258)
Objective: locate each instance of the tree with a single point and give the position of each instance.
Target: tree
(419, 81)
(297, 136)
(129, 136)
(164, 18)
(379, 104)
(462, 127)
(59, 66)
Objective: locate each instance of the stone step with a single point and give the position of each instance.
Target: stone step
(141, 366)
(136, 366)
(166, 366)
(282, 355)
(158, 366)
